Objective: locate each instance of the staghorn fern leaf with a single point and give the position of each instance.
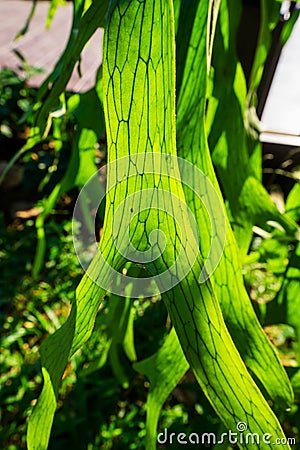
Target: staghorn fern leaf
(144, 196)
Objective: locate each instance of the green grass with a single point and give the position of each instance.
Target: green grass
(30, 310)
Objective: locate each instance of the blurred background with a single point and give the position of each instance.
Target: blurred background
(39, 268)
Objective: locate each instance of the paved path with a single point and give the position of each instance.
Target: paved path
(42, 47)
(281, 115)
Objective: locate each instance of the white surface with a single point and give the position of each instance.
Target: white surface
(282, 110)
(281, 139)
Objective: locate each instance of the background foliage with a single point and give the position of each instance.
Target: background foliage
(102, 399)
